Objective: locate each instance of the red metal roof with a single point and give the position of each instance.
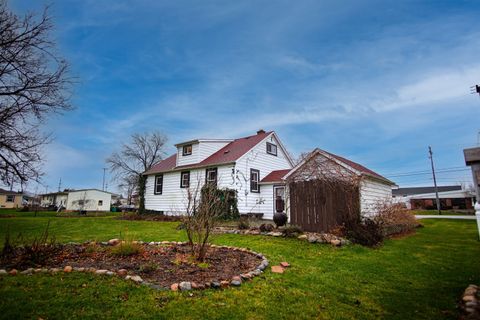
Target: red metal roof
(275, 176)
(230, 153)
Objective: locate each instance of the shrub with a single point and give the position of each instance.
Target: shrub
(243, 223)
(394, 219)
(292, 231)
(266, 227)
(366, 232)
(127, 248)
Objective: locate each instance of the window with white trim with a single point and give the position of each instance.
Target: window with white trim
(185, 179)
(187, 150)
(158, 187)
(271, 149)
(254, 180)
(211, 176)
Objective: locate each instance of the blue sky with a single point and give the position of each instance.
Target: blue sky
(374, 81)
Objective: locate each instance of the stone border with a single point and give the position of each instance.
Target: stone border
(235, 281)
(311, 237)
(470, 304)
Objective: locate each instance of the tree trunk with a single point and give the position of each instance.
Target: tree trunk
(142, 183)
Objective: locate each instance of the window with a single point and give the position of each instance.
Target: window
(211, 176)
(187, 150)
(158, 187)
(271, 149)
(10, 198)
(185, 179)
(254, 180)
(100, 203)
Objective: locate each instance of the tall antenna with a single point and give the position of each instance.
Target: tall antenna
(430, 155)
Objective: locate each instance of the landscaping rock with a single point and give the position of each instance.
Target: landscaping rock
(312, 239)
(67, 269)
(336, 242)
(215, 284)
(174, 287)
(122, 272)
(136, 279)
(104, 243)
(3, 272)
(110, 273)
(224, 283)
(276, 234)
(79, 269)
(277, 269)
(285, 264)
(302, 237)
(236, 283)
(246, 276)
(54, 270)
(113, 242)
(13, 272)
(101, 271)
(185, 286)
(194, 285)
(28, 271)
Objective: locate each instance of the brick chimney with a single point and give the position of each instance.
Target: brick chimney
(261, 131)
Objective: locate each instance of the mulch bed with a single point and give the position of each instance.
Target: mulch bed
(158, 264)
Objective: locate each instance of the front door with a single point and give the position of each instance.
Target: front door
(279, 198)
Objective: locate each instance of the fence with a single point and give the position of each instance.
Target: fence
(318, 205)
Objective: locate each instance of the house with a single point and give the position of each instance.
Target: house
(13, 199)
(56, 199)
(239, 164)
(373, 188)
(451, 197)
(256, 167)
(88, 200)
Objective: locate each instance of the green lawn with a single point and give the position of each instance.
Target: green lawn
(420, 277)
(444, 212)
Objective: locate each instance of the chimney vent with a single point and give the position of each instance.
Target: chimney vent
(261, 131)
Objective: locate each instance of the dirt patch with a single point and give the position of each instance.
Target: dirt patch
(157, 264)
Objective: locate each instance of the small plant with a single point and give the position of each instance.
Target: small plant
(92, 248)
(203, 265)
(148, 267)
(366, 232)
(127, 248)
(280, 219)
(243, 223)
(292, 231)
(266, 227)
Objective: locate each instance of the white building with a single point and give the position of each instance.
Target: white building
(89, 200)
(254, 166)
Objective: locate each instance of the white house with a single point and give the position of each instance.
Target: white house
(57, 199)
(88, 200)
(238, 164)
(254, 166)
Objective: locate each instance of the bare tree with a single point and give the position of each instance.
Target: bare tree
(33, 85)
(136, 157)
(129, 184)
(204, 207)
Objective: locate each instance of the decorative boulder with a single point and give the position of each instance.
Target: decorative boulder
(280, 219)
(266, 227)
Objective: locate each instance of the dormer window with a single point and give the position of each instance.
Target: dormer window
(187, 150)
(271, 149)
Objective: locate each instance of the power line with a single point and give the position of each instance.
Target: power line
(419, 173)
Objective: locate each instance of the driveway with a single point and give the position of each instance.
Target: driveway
(470, 217)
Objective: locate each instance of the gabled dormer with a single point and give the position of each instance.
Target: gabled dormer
(194, 151)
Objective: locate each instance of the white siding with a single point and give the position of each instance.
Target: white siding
(371, 193)
(191, 159)
(91, 197)
(173, 198)
(208, 148)
(258, 158)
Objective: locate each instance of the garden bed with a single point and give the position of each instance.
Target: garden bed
(160, 264)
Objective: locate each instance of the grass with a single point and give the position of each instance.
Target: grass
(444, 212)
(418, 277)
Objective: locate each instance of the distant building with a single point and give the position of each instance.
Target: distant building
(451, 197)
(78, 200)
(56, 199)
(13, 199)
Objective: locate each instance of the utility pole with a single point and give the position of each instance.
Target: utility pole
(59, 184)
(103, 182)
(434, 179)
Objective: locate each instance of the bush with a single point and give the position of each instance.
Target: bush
(366, 232)
(292, 231)
(280, 219)
(243, 224)
(127, 248)
(266, 227)
(394, 219)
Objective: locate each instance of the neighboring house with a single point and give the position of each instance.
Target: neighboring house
(238, 164)
(13, 199)
(451, 197)
(88, 200)
(374, 188)
(57, 199)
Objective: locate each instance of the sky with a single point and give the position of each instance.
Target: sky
(374, 81)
